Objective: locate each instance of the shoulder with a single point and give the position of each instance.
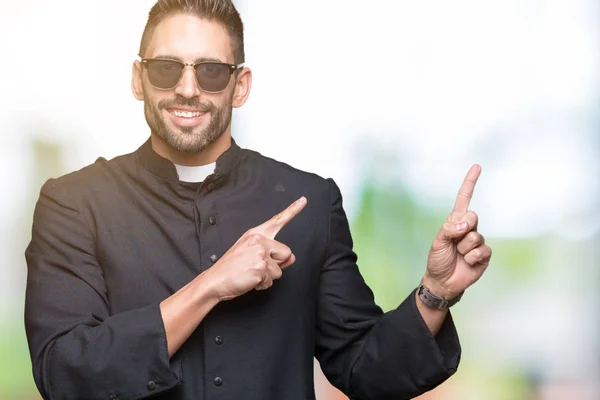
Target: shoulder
(274, 169)
(319, 190)
(97, 177)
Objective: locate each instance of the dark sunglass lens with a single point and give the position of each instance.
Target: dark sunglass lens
(213, 77)
(164, 74)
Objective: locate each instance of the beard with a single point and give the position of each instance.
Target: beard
(185, 139)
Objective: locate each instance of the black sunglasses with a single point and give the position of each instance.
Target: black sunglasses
(212, 77)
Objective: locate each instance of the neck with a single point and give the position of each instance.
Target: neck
(203, 157)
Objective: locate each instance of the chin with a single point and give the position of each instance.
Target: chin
(191, 143)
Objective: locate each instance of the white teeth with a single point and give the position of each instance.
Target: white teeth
(187, 114)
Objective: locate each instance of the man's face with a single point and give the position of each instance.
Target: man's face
(187, 118)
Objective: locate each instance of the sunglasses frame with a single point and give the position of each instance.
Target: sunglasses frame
(232, 69)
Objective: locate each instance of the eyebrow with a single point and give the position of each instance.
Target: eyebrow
(197, 60)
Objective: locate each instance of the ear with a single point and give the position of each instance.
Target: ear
(136, 80)
(243, 84)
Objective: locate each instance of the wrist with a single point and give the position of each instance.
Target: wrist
(438, 298)
(205, 290)
(437, 288)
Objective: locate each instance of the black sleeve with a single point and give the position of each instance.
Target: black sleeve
(79, 350)
(363, 352)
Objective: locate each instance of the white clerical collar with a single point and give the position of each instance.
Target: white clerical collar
(195, 174)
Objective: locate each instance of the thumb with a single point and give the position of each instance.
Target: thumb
(458, 225)
(452, 230)
(289, 261)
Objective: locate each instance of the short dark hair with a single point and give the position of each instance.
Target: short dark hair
(221, 11)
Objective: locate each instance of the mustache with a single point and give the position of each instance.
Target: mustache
(183, 101)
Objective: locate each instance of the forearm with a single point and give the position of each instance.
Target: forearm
(99, 357)
(118, 354)
(184, 311)
(433, 318)
(400, 359)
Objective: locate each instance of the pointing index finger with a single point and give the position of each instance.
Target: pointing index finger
(465, 193)
(272, 227)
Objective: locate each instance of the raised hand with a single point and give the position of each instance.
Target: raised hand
(256, 259)
(458, 256)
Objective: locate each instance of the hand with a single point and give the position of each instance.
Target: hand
(458, 255)
(256, 259)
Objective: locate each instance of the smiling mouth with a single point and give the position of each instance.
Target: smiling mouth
(186, 114)
(186, 117)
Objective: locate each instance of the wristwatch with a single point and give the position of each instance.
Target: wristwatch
(437, 302)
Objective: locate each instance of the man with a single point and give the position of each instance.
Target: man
(173, 272)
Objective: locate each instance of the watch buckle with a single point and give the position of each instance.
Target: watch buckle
(443, 304)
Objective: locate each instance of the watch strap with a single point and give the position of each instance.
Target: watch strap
(436, 302)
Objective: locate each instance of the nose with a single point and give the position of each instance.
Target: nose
(188, 86)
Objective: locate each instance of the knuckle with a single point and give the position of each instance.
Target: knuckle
(472, 217)
(489, 251)
(261, 278)
(472, 214)
(474, 237)
(266, 282)
(448, 226)
(276, 219)
(250, 232)
(261, 265)
(277, 273)
(463, 194)
(470, 259)
(261, 252)
(254, 238)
